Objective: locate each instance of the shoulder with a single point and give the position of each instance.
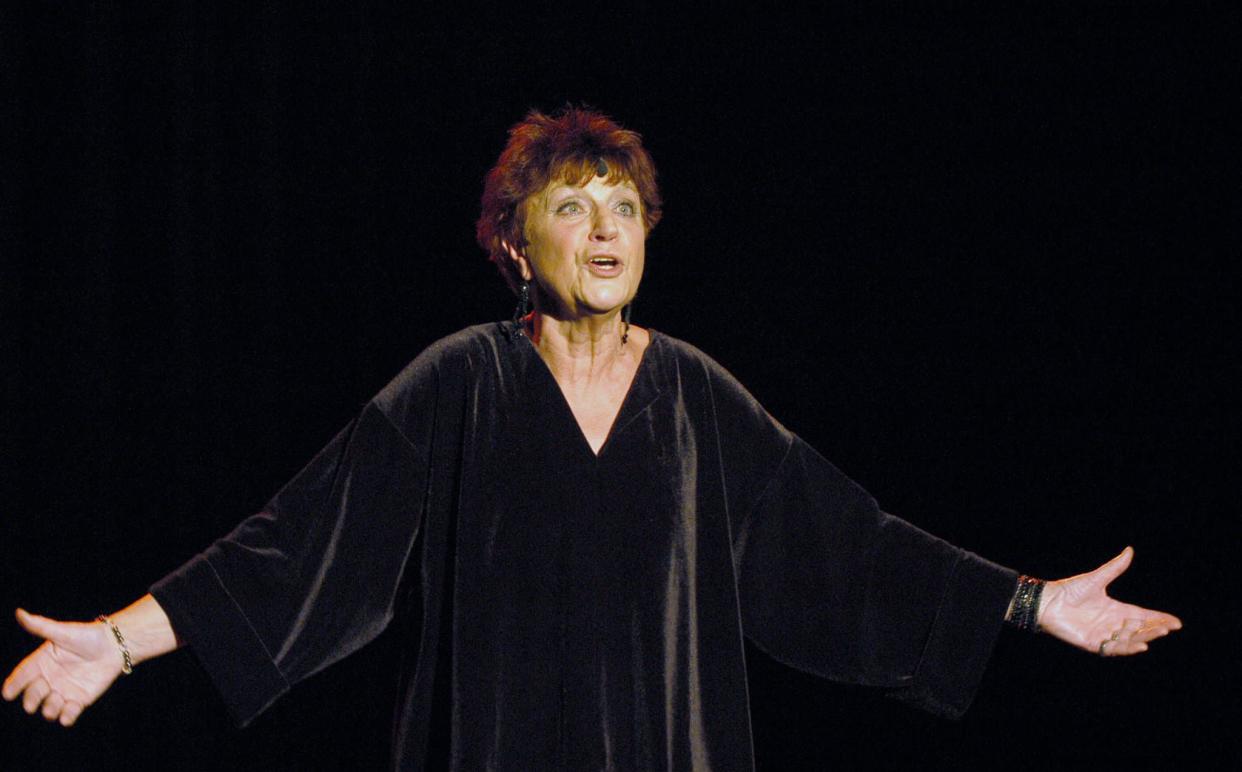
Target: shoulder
(678, 352)
(687, 361)
(465, 344)
(448, 360)
(691, 372)
(752, 443)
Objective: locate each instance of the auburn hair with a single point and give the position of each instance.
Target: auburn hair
(567, 147)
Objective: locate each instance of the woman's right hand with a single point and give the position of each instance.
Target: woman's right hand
(76, 663)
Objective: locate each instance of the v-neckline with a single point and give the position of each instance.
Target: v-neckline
(627, 402)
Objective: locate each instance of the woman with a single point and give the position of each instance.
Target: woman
(578, 520)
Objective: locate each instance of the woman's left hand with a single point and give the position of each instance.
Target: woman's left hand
(1078, 611)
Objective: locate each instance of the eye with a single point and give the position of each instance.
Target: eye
(627, 208)
(572, 206)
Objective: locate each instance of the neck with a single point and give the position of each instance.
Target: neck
(580, 348)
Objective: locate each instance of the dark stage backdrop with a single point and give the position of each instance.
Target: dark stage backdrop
(977, 260)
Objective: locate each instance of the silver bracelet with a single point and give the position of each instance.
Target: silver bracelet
(127, 661)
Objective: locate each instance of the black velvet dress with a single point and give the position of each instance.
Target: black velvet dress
(576, 611)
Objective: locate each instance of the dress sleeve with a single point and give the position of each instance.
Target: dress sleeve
(313, 576)
(831, 585)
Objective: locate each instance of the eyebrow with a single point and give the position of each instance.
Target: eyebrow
(565, 190)
(627, 187)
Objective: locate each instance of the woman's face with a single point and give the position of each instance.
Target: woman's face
(584, 247)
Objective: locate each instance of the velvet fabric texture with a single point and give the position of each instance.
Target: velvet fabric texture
(574, 611)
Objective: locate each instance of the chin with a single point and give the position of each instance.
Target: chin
(608, 304)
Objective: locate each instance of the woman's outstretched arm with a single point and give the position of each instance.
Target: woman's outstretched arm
(78, 661)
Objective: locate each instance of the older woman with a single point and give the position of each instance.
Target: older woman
(580, 520)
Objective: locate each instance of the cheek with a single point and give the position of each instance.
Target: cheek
(554, 266)
(542, 251)
(640, 253)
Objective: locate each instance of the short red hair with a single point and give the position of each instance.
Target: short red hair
(567, 147)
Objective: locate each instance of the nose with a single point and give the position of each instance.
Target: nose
(603, 226)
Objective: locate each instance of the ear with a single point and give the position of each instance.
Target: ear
(519, 260)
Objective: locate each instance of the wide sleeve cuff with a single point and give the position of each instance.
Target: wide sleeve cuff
(968, 620)
(206, 618)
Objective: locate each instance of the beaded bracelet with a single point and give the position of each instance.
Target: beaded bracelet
(127, 661)
(1024, 613)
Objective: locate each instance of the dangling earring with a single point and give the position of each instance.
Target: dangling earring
(625, 320)
(523, 308)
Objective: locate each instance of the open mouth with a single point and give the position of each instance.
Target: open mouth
(605, 266)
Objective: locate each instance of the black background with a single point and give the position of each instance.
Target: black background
(980, 259)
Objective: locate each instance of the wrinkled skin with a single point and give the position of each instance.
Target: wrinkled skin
(1078, 611)
(76, 663)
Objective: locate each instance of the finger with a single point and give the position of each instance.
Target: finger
(52, 706)
(1146, 634)
(34, 695)
(1170, 621)
(1108, 646)
(1133, 646)
(69, 714)
(1131, 630)
(42, 626)
(1114, 568)
(1158, 619)
(1157, 625)
(22, 676)
(14, 684)
(1133, 638)
(1121, 648)
(16, 681)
